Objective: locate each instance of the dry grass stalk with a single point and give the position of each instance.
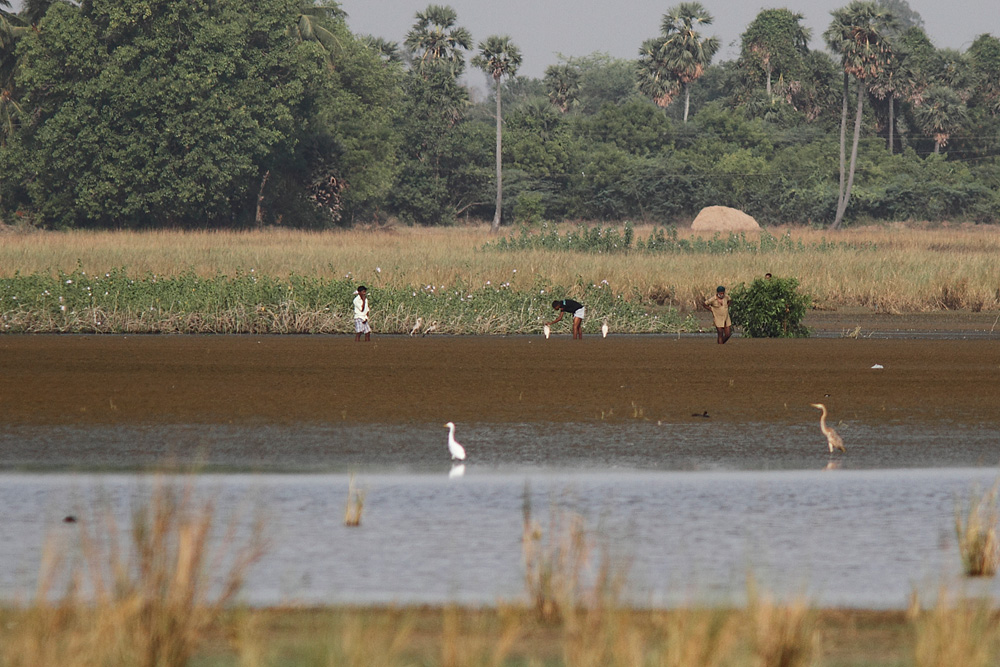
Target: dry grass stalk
(150, 603)
(357, 639)
(706, 638)
(783, 635)
(977, 534)
(964, 633)
(913, 270)
(554, 567)
(355, 504)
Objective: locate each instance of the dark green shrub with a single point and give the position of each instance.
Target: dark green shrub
(770, 308)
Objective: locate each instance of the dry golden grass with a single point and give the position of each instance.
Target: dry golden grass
(977, 534)
(782, 634)
(957, 631)
(145, 595)
(913, 270)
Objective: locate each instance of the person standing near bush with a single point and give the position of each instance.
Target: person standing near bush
(570, 306)
(361, 325)
(719, 305)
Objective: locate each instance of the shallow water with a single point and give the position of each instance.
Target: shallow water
(603, 428)
(633, 445)
(859, 538)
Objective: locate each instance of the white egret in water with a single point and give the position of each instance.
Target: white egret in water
(457, 470)
(546, 330)
(457, 450)
(416, 327)
(832, 439)
(604, 329)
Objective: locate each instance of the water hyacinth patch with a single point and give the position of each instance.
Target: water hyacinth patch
(115, 302)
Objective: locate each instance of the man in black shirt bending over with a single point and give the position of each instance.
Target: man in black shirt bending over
(569, 306)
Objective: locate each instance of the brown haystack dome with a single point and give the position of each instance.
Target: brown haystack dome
(723, 219)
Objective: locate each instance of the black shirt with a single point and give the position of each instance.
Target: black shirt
(570, 306)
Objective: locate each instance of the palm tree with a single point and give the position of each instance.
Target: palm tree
(940, 114)
(857, 34)
(894, 81)
(563, 85)
(310, 25)
(682, 50)
(498, 57)
(653, 76)
(435, 40)
(388, 51)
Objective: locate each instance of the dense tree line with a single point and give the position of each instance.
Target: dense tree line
(229, 113)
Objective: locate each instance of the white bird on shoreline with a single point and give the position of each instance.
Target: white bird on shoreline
(432, 327)
(832, 437)
(457, 450)
(416, 327)
(604, 329)
(546, 330)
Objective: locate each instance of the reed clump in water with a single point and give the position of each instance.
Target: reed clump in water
(355, 504)
(145, 595)
(977, 534)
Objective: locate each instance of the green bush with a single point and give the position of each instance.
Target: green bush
(770, 308)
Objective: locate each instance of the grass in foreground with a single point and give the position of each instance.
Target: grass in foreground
(160, 593)
(977, 534)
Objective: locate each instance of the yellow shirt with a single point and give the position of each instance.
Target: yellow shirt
(720, 310)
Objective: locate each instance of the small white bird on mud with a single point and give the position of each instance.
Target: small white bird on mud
(416, 327)
(604, 329)
(457, 450)
(546, 330)
(431, 327)
(832, 438)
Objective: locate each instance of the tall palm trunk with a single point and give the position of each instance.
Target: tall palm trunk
(843, 144)
(495, 227)
(687, 100)
(854, 160)
(891, 120)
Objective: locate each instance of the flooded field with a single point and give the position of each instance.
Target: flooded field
(696, 463)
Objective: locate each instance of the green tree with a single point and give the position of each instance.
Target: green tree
(683, 52)
(313, 22)
(941, 114)
(770, 308)
(775, 42)
(858, 35)
(562, 84)
(654, 77)
(498, 57)
(435, 40)
(906, 17)
(388, 51)
(134, 123)
(9, 108)
(984, 56)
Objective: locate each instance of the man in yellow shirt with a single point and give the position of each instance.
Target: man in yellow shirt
(719, 305)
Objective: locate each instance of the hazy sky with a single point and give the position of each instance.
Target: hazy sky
(543, 29)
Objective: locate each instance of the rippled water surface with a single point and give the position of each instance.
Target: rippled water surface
(691, 508)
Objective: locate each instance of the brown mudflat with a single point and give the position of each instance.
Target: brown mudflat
(282, 379)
